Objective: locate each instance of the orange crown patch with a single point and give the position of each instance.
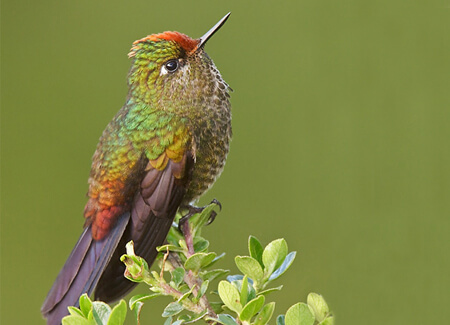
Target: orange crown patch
(185, 41)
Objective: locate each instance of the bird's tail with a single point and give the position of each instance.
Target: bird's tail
(81, 271)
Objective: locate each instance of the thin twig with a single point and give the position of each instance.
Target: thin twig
(193, 281)
(188, 238)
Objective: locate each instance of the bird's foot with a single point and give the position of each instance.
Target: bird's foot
(186, 229)
(194, 210)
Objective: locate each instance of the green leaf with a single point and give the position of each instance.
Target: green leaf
(244, 291)
(194, 318)
(172, 309)
(85, 304)
(230, 296)
(327, 321)
(226, 319)
(178, 275)
(168, 321)
(255, 249)
(75, 311)
(236, 277)
(218, 257)
(170, 247)
(251, 308)
(318, 305)
(156, 275)
(187, 293)
(118, 314)
(273, 255)
(140, 298)
(270, 290)
(185, 318)
(199, 260)
(265, 314)
(251, 293)
(203, 289)
(137, 269)
(100, 312)
(250, 267)
(213, 274)
(183, 245)
(184, 287)
(200, 244)
(280, 320)
(174, 236)
(216, 306)
(300, 314)
(283, 268)
(137, 311)
(76, 320)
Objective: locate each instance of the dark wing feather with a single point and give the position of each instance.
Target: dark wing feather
(152, 213)
(81, 271)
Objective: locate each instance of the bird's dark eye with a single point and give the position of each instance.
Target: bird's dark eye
(171, 65)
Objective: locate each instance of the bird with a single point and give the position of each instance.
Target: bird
(163, 149)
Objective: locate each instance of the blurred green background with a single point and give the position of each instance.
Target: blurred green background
(341, 127)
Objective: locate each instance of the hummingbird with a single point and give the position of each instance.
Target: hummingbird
(164, 148)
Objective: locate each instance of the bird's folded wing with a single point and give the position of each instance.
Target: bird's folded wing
(154, 207)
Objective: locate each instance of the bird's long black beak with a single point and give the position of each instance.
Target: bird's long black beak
(211, 32)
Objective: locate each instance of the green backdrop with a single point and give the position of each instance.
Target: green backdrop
(341, 128)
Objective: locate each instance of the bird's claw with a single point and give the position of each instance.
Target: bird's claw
(191, 211)
(194, 210)
(212, 217)
(215, 201)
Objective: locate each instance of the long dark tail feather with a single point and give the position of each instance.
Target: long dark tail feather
(81, 271)
(152, 233)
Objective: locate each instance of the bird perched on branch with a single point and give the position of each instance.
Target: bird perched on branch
(164, 148)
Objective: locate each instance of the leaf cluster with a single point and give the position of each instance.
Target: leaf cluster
(95, 313)
(186, 275)
(245, 295)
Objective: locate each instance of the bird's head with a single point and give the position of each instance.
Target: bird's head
(170, 68)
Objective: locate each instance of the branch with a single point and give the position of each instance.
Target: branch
(185, 275)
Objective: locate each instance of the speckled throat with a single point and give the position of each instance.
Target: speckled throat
(210, 124)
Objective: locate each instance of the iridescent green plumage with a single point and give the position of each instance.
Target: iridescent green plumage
(187, 110)
(163, 149)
